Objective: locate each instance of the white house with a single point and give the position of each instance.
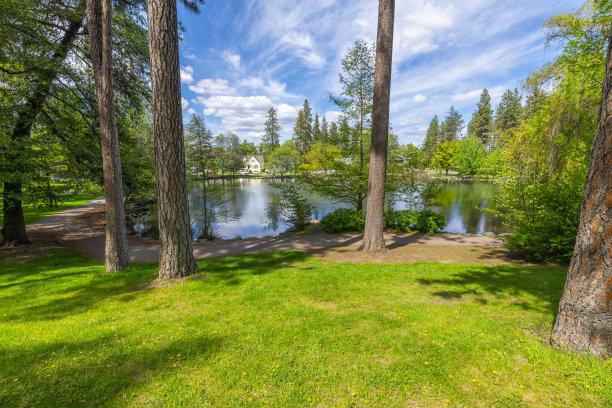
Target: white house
(253, 164)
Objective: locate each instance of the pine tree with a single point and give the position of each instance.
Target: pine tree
(509, 112)
(481, 124)
(176, 254)
(324, 130)
(99, 23)
(302, 131)
(373, 240)
(431, 141)
(316, 129)
(451, 127)
(271, 138)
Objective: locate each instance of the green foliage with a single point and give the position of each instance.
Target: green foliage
(444, 159)
(272, 129)
(546, 157)
(470, 156)
(425, 221)
(431, 141)
(451, 126)
(198, 143)
(357, 82)
(284, 158)
(481, 124)
(294, 208)
(302, 130)
(343, 220)
(545, 217)
(228, 153)
(509, 113)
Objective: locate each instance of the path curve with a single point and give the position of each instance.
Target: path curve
(82, 228)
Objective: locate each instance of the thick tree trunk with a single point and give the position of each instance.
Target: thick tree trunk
(176, 254)
(373, 240)
(584, 322)
(14, 231)
(99, 24)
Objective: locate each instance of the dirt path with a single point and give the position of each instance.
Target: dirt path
(82, 228)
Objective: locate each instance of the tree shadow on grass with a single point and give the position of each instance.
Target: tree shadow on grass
(59, 284)
(94, 372)
(235, 270)
(517, 284)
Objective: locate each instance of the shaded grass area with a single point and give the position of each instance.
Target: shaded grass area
(285, 329)
(34, 212)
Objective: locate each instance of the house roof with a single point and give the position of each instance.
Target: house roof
(257, 157)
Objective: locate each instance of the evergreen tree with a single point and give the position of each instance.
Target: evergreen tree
(176, 254)
(324, 130)
(302, 131)
(271, 138)
(451, 126)
(481, 124)
(316, 129)
(198, 144)
(431, 141)
(334, 135)
(509, 112)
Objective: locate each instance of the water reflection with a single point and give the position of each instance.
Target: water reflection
(241, 208)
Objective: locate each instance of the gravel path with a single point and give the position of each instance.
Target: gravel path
(82, 228)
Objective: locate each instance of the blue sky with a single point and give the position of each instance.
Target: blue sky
(240, 57)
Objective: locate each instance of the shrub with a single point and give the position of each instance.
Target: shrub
(430, 222)
(425, 221)
(294, 208)
(343, 220)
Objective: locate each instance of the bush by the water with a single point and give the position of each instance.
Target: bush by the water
(545, 218)
(426, 221)
(343, 220)
(348, 220)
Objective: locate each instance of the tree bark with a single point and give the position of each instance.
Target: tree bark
(373, 240)
(99, 24)
(176, 254)
(14, 231)
(584, 322)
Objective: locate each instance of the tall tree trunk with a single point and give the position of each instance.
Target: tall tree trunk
(176, 254)
(99, 24)
(373, 240)
(584, 322)
(14, 231)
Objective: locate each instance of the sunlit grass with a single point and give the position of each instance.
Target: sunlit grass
(285, 329)
(34, 212)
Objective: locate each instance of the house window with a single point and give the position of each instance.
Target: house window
(256, 166)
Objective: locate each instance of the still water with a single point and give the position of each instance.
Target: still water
(242, 208)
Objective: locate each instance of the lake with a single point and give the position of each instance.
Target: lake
(242, 208)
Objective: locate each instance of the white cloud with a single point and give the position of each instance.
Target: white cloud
(190, 56)
(271, 88)
(466, 96)
(184, 103)
(213, 87)
(191, 111)
(186, 74)
(419, 98)
(233, 59)
(332, 116)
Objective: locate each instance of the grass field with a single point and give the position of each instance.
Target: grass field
(33, 213)
(286, 330)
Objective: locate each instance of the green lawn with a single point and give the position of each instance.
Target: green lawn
(33, 213)
(287, 330)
